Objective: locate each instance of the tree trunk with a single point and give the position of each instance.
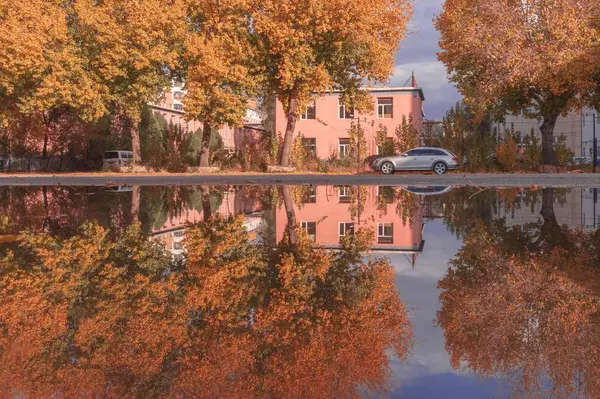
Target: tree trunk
(551, 234)
(135, 204)
(205, 150)
(288, 139)
(291, 216)
(44, 164)
(206, 210)
(135, 143)
(547, 129)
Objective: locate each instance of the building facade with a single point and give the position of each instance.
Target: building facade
(172, 108)
(328, 213)
(325, 123)
(576, 127)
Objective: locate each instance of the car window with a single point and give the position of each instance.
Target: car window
(111, 155)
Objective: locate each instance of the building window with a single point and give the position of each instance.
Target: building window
(385, 108)
(386, 193)
(310, 145)
(310, 228)
(309, 196)
(385, 233)
(178, 107)
(346, 229)
(343, 114)
(344, 194)
(310, 112)
(344, 148)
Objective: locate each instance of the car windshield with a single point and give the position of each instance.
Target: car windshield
(111, 155)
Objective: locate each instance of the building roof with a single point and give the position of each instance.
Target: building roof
(390, 90)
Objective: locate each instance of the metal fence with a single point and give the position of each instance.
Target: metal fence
(34, 164)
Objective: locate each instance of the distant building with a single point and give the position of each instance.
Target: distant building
(587, 128)
(576, 127)
(325, 123)
(171, 107)
(172, 232)
(577, 209)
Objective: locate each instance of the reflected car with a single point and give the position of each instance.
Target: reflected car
(438, 160)
(118, 189)
(428, 190)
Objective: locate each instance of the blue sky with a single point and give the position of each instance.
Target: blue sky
(418, 54)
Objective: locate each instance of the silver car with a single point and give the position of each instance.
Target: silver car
(422, 158)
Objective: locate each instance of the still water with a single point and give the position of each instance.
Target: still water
(304, 292)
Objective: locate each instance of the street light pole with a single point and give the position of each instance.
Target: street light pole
(358, 152)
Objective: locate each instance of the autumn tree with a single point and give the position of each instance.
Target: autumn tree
(43, 73)
(357, 151)
(307, 46)
(506, 56)
(467, 135)
(222, 71)
(385, 144)
(92, 57)
(116, 317)
(407, 135)
(131, 47)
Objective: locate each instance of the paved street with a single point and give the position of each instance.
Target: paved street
(455, 179)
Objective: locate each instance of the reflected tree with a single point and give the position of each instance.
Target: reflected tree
(526, 304)
(111, 315)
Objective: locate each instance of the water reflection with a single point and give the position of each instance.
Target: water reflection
(289, 291)
(522, 300)
(113, 314)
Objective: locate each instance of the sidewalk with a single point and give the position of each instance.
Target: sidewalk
(453, 179)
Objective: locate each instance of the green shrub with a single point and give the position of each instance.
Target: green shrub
(564, 155)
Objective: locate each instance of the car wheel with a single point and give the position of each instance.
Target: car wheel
(440, 168)
(387, 168)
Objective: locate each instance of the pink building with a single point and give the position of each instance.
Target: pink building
(325, 123)
(171, 107)
(329, 213)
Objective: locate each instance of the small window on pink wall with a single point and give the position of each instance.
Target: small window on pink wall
(385, 108)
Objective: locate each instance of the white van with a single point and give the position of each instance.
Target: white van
(117, 158)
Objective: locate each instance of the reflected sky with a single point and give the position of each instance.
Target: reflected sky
(443, 246)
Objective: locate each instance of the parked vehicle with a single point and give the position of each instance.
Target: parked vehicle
(118, 189)
(428, 190)
(117, 158)
(423, 158)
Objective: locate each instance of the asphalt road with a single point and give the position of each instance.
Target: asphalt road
(453, 179)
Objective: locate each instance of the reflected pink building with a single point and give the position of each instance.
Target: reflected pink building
(325, 123)
(328, 213)
(172, 232)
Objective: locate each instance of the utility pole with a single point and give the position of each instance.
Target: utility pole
(594, 145)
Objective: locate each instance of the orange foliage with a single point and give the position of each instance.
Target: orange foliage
(532, 315)
(103, 314)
